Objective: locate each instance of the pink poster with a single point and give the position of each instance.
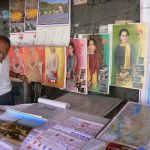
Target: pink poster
(76, 66)
(29, 61)
(34, 58)
(16, 60)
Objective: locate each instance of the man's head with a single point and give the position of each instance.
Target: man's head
(4, 47)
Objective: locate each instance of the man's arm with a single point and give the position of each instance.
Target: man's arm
(19, 76)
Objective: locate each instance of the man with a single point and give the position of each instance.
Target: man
(5, 73)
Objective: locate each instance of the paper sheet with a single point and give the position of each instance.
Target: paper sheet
(53, 35)
(54, 103)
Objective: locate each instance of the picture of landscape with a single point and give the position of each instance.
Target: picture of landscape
(53, 12)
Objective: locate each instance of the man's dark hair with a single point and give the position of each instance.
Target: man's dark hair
(123, 30)
(5, 39)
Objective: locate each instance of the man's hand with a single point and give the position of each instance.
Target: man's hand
(22, 77)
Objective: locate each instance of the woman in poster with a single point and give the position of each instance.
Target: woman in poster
(52, 66)
(94, 62)
(34, 72)
(124, 55)
(71, 61)
(17, 61)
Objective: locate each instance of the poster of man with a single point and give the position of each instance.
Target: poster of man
(129, 55)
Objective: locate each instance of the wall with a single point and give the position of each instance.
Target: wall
(89, 17)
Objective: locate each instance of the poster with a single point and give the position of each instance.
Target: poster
(76, 66)
(131, 126)
(53, 24)
(51, 140)
(53, 35)
(53, 12)
(24, 38)
(98, 63)
(29, 61)
(55, 66)
(31, 11)
(17, 13)
(79, 2)
(16, 60)
(34, 63)
(129, 55)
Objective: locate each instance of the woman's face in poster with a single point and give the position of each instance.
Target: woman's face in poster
(91, 46)
(124, 37)
(70, 50)
(52, 49)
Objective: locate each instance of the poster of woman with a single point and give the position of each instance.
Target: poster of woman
(76, 66)
(98, 62)
(129, 52)
(16, 60)
(34, 66)
(55, 66)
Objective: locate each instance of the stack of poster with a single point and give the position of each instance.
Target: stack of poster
(51, 139)
(15, 127)
(71, 134)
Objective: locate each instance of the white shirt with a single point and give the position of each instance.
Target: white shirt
(5, 83)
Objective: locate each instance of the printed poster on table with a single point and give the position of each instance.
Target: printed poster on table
(76, 66)
(98, 62)
(131, 126)
(17, 13)
(31, 12)
(51, 140)
(55, 71)
(129, 55)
